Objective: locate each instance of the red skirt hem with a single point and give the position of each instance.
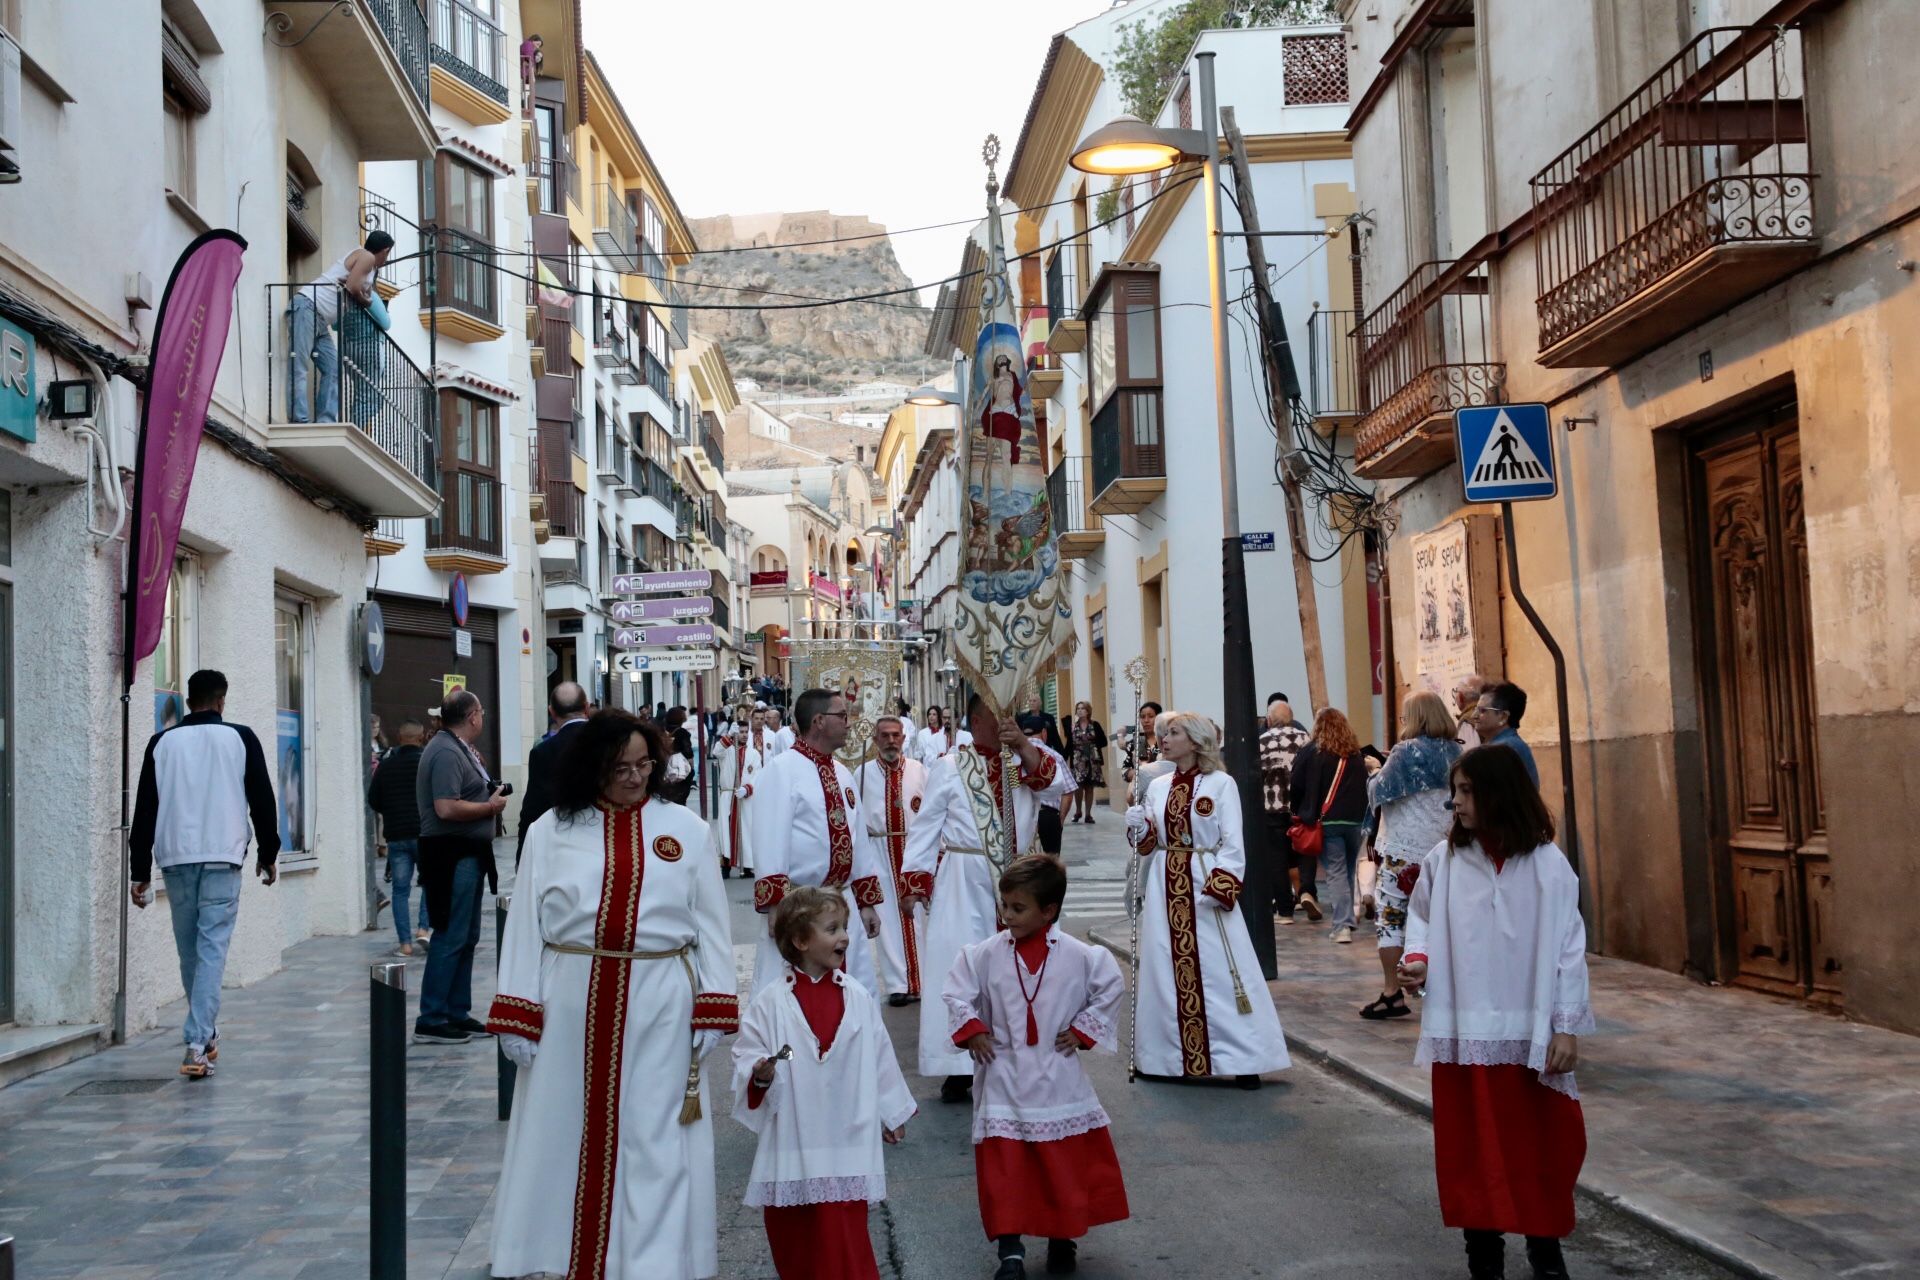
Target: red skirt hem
(1507, 1150)
(821, 1241)
(1058, 1189)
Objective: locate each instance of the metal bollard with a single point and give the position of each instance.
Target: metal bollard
(387, 1119)
(508, 1071)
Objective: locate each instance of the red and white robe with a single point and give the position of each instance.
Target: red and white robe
(948, 858)
(1506, 955)
(1043, 1158)
(1187, 1007)
(600, 1180)
(737, 764)
(806, 830)
(890, 799)
(820, 1159)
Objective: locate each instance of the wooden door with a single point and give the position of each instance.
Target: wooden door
(1769, 824)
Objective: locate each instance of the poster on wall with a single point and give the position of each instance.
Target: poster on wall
(1442, 608)
(293, 832)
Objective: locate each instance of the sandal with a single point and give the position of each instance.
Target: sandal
(1386, 1006)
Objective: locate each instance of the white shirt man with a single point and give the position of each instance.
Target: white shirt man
(955, 867)
(737, 764)
(890, 789)
(783, 736)
(807, 831)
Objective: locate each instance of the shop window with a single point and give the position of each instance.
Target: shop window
(293, 728)
(176, 656)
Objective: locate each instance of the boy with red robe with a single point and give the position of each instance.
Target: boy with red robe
(1024, 1003)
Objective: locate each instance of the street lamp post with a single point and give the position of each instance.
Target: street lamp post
(1127, 147)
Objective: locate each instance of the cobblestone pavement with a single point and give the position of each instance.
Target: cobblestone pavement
(261, 1172)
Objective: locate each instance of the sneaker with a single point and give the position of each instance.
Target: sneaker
(440, 1033)
(1343, 934)
(1312, 908)
(1014, 1268)
(471, 1027)
(196, 1066)
(213, 1047)
(1063, 1257)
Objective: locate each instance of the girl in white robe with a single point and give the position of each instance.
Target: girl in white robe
(824, 1111)
(1201, 1005)
(616, 975)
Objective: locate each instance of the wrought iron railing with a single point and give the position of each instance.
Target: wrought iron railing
(1062, 302)
(1333, 366)
(344, 368)
(656, 375)
(566, 507)
(469, 45)
(377, 213)
(469, 518)
(1425, 352)
(405, 28)
(1712, 150)
(1313, 69)
(1067, 497)
(1128, 451)
(468, 277)
(548, 173)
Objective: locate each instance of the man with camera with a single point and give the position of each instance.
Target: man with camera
(460, 807)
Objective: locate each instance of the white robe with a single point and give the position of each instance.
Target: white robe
(821, 1119)
(1506, 954)
(657, 893)
(901, 935)
(1034, 1092)
(1205, 920)
(965, 887)
(931, 744)
(737, 763)
(783, 740)
(793, 845)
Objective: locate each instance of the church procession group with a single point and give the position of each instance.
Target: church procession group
(917, 874)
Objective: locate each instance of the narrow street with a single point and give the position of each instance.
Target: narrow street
(114, 1168)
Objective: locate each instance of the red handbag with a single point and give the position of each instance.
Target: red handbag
(1307, 838)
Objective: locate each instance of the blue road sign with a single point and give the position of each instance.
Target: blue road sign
(1256, 542)
(1506, 452)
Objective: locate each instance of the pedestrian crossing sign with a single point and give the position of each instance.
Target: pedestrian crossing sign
(1506, 452)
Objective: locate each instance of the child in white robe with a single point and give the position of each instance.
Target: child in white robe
(814, 1074)
(1494, 932)
(1024, 1003)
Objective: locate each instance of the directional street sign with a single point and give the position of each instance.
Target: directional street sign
(633, 584)
(640, 637)
(660, 608)
(1506, 452)
(665, 660)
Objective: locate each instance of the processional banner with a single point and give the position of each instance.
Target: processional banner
(1015, 618)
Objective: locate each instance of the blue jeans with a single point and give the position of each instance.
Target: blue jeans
(311, 341)
(204, 898)
(446, 989)
(1339, 863)
(400, 854)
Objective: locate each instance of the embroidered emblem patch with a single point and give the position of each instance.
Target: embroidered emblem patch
(667, 849)
(1203, 806)
(915, 805)
(849, 796)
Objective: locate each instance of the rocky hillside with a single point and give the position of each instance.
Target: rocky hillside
(821, 346)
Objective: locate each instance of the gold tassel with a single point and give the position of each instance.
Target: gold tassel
(1240, 996)
(690, 1108)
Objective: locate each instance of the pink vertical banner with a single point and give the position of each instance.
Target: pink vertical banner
(189, 337)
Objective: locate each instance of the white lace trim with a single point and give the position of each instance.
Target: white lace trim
(871, 1188)
(1495, 1053)
(1095, 1028)
(985, 1127)
(1573, 1019)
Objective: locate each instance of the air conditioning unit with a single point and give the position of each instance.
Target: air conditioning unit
(12, 127)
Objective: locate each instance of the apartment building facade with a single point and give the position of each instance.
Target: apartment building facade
(1688, 230)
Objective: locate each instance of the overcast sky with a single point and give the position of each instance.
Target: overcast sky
(874, 107)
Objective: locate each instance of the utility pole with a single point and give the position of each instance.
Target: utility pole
(1283, 391)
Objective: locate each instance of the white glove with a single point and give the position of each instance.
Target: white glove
(519, 1050)
(740, 793)
(704, 1040)
(1138, 824)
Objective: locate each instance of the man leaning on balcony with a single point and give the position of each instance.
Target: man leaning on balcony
(314, 312)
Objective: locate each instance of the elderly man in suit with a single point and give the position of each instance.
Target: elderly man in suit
(568, 703)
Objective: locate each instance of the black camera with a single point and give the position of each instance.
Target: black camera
(506, 789)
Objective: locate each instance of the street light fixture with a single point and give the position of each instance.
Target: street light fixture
(1129, 146)
(932, 397)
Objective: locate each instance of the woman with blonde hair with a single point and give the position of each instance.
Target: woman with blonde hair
(1328, 795)
(1410, 793)
(1201, 1008)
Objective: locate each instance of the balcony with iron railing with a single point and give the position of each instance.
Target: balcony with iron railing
(1129, 452)
(546, 180)
(710, 440)
(1418, 356)
(1066, 331)
(1694, 193)
(677, 314)
(1333, 371)
(653, 266)
(1078, 532)
(353, 412)
(656, 376)
(466, 536)
(464, 291)
(609, 339)
(614, 232)
(371, 61)
(469, 63)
